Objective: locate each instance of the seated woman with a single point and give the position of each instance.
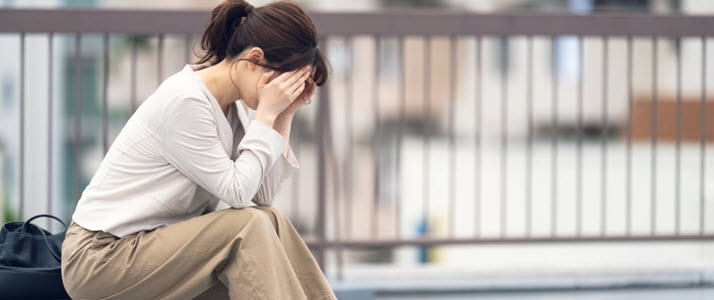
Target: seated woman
(167, 214)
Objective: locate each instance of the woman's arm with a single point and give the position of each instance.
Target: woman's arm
(283, 169)
(191, 144)
(287, 163)
(282, 125)
(279, 173)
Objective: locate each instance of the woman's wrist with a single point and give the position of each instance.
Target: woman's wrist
(283, 117)
(268, 120)
(282, 124)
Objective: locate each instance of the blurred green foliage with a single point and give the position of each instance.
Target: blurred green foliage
(9, 214)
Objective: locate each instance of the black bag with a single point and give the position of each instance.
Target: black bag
(30, 261)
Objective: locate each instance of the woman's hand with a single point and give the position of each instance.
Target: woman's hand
(284, 121)
(275, 96)
(307, 93)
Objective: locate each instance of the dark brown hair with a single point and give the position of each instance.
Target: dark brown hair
(282, 29)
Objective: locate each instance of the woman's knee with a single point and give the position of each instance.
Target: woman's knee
(275, 214)
(240, 217)
(271, 209)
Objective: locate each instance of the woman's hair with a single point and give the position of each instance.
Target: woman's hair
(281, 29)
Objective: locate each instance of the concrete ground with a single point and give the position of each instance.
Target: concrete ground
(689, 293)
(441, 283)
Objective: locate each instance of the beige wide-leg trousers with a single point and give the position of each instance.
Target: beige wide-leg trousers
(248, 253)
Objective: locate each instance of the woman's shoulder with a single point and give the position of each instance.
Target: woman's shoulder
(180, 92)
(179, 98)
(182, 81)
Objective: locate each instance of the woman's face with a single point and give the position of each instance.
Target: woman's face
(249, 92)
(250, 74)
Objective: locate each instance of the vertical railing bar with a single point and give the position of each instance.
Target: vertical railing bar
(400, 128)
(350, 129)
(427, 122)
(554, 138)
(604, 135)
(296, 140)
(50, 62)
(579, 142)
(160, 59)
(376, 136)
(345, 173)
(133, 74)
(504, 133)
(452, 141)
(336, 206)
(340, 248)
(529, 141)
(332, 164)
(477, 141)
(628, 146)
(322, 123)
(77, 115)
(678, 146)
(188, 46)
(653, 131)
(703, 137)
(21, 181)
(105, 81)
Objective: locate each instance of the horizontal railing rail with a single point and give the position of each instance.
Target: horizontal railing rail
(401, 22)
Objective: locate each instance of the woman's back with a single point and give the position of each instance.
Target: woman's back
(135, 186)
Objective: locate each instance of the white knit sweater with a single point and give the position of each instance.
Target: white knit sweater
(177, 156)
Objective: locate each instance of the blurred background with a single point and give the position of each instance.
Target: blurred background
(497, 149)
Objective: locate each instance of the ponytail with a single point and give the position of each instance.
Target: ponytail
(225, 18)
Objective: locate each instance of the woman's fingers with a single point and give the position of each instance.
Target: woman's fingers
(296, 76)
(284, 76)
(308, 92)
(279, 94)
(298, 91)
(308, 86)
(299, 81)
(311, 78)
(264, 78)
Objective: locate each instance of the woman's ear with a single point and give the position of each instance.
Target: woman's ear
(255, 55)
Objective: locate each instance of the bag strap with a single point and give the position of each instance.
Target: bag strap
(42, 215)
(44, 235)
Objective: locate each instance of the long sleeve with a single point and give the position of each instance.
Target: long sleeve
(192, 145)
(279, 173)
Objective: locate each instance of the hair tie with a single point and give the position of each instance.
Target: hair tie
(248, 8)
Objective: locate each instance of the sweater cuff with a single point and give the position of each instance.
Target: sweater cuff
(260, 131)
(291, 159)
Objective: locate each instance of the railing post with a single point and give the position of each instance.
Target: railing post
(21, 210)
(321, 130)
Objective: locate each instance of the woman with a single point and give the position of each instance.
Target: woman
(167, 214)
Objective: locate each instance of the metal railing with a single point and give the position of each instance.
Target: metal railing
(335, 172)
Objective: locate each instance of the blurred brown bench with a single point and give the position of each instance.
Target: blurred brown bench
(667, 119)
